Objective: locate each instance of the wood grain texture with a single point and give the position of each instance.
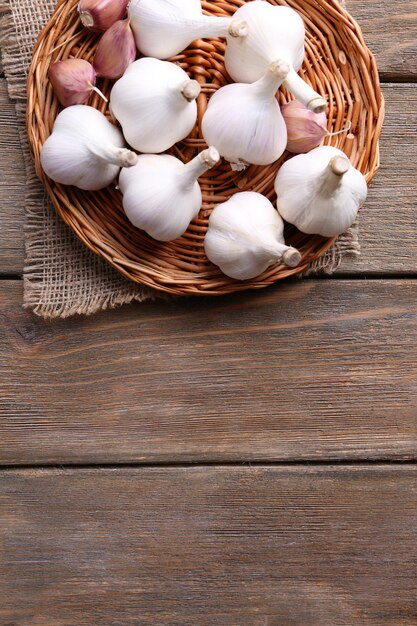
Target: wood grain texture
(209, 547)
(305, 370)
(12, 188)
(390, 30)
(388, 224)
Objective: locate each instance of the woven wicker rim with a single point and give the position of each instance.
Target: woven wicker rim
(337, 64)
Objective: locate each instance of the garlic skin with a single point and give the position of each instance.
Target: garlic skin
(116, 51)
(246, 236)
(101, 14)
(161, 195)
(164, 28)
(306, 130)
(320, 192)
(244, 121)
(154, 102)
(274, 32)
(85, 150)
(73, 81)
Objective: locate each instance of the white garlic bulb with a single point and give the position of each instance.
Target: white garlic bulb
(85, 149)
(320, 192)
(154, 102)
(246, 236)
(164, 28)
(274, 32)
(161, 195)
(244, 121)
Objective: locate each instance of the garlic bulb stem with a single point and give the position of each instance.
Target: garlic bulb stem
(285, 255)
(116, 156)
(198, 166)
(211, 26)
(270, 82)
(304, 93)
(291, 257)
(339, 165)
(191, 90)
(332, 176)
(238, 28)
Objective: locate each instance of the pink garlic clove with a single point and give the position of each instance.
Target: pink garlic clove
(101, 14)
(73, 81)
(115, 51)
(306, 129)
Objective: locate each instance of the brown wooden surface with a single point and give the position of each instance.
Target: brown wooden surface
(312, 370)
(389, 30)
(388, 224)
(207, 546)
(12, 188)
(306, 370)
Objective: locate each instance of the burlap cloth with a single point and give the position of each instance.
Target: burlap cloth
(61, 276)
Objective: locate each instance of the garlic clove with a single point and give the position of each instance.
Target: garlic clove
(305, 129)
(115, 51)
(73, 81)
(246, 236)
(320, 192)
(101, 14)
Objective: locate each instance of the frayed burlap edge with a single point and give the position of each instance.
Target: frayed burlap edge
(49, 290)
(52, 290)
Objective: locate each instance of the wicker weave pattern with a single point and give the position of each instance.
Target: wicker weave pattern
(337, 64)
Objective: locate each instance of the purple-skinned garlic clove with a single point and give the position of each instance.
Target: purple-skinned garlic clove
(73, 81)
(101, 14)
(306, 130)
(115, 51)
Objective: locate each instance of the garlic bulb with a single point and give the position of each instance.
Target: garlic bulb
(274, 32)
(85, 149)
(154, 103)
(320, 192)
(161, 195)
(73, 81)
(116, 51)
(246, 236)
(244, 121)
(101, 14)
(164, 28)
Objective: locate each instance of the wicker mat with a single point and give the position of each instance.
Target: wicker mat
(61, 276)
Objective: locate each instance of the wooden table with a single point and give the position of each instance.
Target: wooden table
(243, 461)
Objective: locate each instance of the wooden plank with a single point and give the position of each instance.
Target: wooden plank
(12, 188)
(260, 546)
(389, 29)
(305, 370)
(388, 224)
